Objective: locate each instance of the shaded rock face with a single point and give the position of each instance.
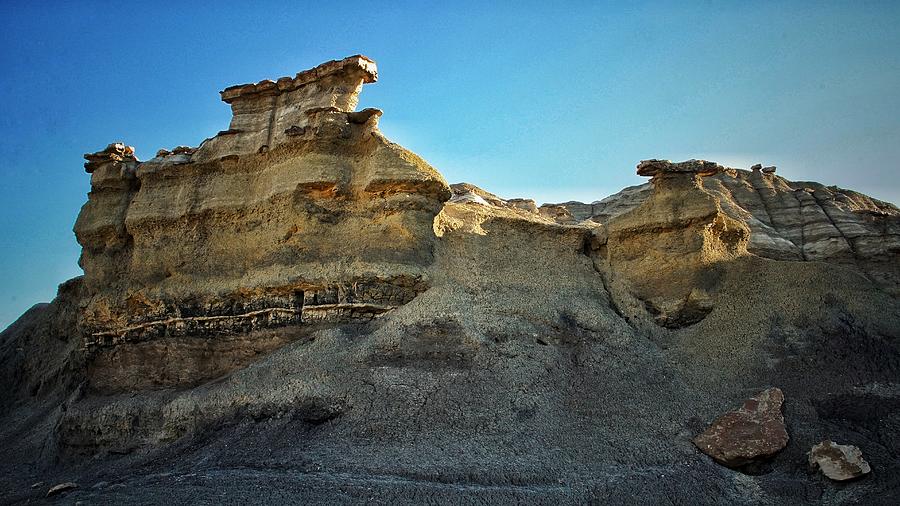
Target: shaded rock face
(752, 432)
(838, 462)
(62, 487)
(331, 223)
(654, 168)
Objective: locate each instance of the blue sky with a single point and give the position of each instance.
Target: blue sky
(554, 102)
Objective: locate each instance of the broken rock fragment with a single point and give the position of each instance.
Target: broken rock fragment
(62, 487)
(753, 432)
(838, 462)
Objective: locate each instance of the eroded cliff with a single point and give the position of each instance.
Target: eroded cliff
(310, 217)
(299, 301)
(788, 220)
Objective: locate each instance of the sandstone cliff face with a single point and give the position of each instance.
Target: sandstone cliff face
(667, 248)
(329, 222)
(660, 246)
(299, 301)
(802, 221)
(269, 113)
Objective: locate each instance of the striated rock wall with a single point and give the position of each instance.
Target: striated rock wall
(330, 223)
(794, 220)
(788, 220)
(268, 113)
(663, 243)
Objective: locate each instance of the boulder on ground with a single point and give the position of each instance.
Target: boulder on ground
(838, 462)
(753, 432)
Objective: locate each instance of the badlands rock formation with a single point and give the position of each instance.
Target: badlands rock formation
(300, 311)
(324, 221)
(667, 247)
(788, 220)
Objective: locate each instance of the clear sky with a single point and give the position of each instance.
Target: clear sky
(550, 100)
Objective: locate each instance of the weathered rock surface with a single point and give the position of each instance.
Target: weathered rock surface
(114, 153)
(838, 462)
(299, 311)
(787, 220)
(666, 249)
(754, 431)
(468, 193)
(328, 225)
(662, 168)
(269, 113)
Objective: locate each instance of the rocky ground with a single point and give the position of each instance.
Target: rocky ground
(312, 320)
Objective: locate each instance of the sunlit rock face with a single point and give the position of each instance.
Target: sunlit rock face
(788, 220)
(328, 222)
(667, 241)
(269, 113)
(838, 462)
(799, 220)
(667, 247)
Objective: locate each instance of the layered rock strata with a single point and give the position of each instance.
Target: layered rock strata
(332, 223)
(664, 239)
(666, 248)
(788, 220)
(311, 313)
(267, 113)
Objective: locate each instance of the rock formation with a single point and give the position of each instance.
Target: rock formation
(328, 224)
(298, 301)
(269, 113)
(787, 220)
(62, 487)
(667, 247)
